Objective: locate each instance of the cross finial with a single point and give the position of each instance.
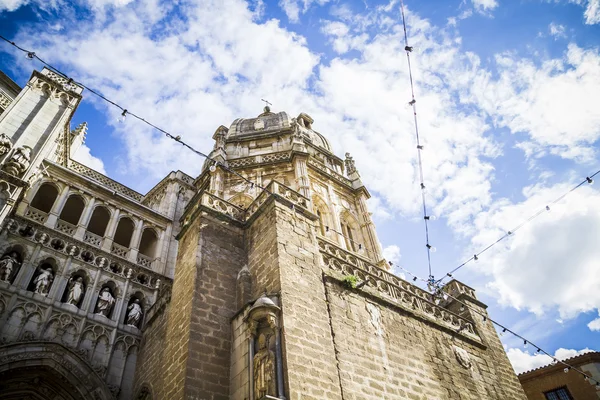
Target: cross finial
(267, 104)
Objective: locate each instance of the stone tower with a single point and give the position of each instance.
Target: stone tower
(264, 303)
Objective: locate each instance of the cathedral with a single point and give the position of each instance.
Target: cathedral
(260, 278)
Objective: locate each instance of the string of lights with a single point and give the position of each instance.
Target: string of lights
(413, 104)
(215, 163)
(588, 180)
(440, 293)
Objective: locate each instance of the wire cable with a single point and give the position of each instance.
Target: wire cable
(588, 179)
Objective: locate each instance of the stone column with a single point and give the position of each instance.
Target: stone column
(27, 269)
(121, 306)
(335, 218)
(368, 229)
(59, 203)
(110, 230)
(134, 245)
(90, 293)
(302, 179)
(60, 282)
(85, 219)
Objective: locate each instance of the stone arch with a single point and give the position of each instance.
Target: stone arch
(73, 208)
(45, 197)
(124, 232)
(59, 371)
(351, 232)
(99, 220)
(46, 264)
(241, 200)
(149, 242)
(323, 213)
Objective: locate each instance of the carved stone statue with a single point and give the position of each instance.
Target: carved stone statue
(105, 302)
(134, 313)
(19, 161)
(5, 144)
(43, 281)
(349, 162)
(264, 370)
(76, 289)
(8, 263)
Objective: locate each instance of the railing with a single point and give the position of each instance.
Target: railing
(119, 250)
(280, 190)
(144, 260)
(215, 203)
(36, 215)
(106, 181)
(394, 289)
(65, 227)
(93, 239)
(322, 167)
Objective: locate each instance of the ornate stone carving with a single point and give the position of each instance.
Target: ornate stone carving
(8, 264)
(76, 289)
(43, 281)
(349, 163)
(134, 313)
(463, 357)
(264, 369)
(19, 161)
(5, 144)
(105, 302)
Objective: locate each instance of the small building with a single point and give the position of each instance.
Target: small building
(555, 382)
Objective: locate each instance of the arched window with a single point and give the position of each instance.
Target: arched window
(45, 197)
(323, 214)
(351, 232)
(72, 210)
(99, 221)
(124, 232)
(148, 243)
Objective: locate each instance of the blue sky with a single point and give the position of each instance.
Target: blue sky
(507, 94)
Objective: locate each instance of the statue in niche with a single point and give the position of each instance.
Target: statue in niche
(19, 161)
(8, 263)
(105, 302)
(264, 369)
(43, 281)
(5, 144)
(134, 313)
(76, 289)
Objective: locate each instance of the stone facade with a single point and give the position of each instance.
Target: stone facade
(541, 382)
(215, 287)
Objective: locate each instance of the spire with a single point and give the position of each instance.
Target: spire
(80, 130)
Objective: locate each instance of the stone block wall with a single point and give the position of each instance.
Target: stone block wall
(385, 352)
(239, 386)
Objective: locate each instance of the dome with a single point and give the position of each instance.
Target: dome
(265, 123)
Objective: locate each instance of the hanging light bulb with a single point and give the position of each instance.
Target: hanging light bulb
(68, 85)
(462, 307)
(475, 258)
(414, 279)
(567, 369)
(408, 49)
(589, 180)
(554, 361)
(431, 248)
(524, 344)
(484, 319)
(121, 119)
(586, 378)
(547, 208)
(430, 218)
(213, 167)
(30, 55)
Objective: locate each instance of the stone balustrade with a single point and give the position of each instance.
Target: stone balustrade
(93, 256)
(105, 180)
(394, 289)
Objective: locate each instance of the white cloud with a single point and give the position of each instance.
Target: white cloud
(522, 361)
(484, 5)
(84, 156)
(592, 10)
(547, 264)
(392, 253)
(594, 325)
(554, 103)
(557, 30)
(293, 8)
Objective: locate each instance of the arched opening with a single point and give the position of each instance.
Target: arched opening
(10, 262)
(148, 243)
(43, 277)
(28, 373)
(75, 289)
(135, 310)
(323, 214)
(105, 303)
(351, 233)
(72, 210)
(241, 200)
(124, 232)
(45, 197)
(99, 221)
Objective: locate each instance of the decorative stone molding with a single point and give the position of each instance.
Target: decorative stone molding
(393, 289)
(329, 172)
(104, 180)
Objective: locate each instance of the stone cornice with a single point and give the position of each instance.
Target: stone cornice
(11, 85)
